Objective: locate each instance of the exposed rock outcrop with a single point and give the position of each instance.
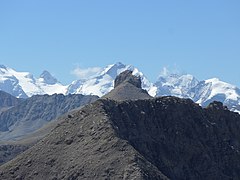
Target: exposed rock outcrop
(127, 87)
(127, 76)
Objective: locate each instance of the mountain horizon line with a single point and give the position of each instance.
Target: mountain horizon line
(24, 85)
(164, 72)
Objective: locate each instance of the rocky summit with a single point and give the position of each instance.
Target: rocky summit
(127, 76)
(127, 87)
(158, 138)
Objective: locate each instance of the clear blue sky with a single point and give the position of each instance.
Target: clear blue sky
(198, 37)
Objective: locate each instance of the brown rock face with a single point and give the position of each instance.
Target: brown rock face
(127, 87)
(127, 76)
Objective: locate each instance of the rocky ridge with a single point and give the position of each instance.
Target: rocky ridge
(126, 87)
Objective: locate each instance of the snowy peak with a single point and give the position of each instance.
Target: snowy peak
(3, 68)
(103, 83)
(24, 84)
(100, 84)
(203, 92)
(27, 82)
(50, 85)
(216, 90)
(114, 69)
(185, 80)
(175, 85)
(216, 87)
(47, 78)
(10, 83)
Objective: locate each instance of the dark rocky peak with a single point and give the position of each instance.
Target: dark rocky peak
(217, 106)
(127, 87)
(48, 78)
(127, 76)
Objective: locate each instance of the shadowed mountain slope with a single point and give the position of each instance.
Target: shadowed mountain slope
(7, 101)
(37, 111)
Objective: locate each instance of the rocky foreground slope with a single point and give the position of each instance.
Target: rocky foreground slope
(160, 138)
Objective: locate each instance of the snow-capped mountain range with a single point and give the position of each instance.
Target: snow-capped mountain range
(24, 84)
(102, 83)
(201, 92)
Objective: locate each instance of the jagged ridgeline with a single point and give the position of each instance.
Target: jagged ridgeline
(148, 138)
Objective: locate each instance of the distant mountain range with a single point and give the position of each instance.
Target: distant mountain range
(7, 101)
(24, 121)
(25, 116)
(24, 84)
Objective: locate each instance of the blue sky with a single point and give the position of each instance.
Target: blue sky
(197, 37)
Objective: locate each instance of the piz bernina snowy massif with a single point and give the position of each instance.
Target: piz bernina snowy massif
(24, 84)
